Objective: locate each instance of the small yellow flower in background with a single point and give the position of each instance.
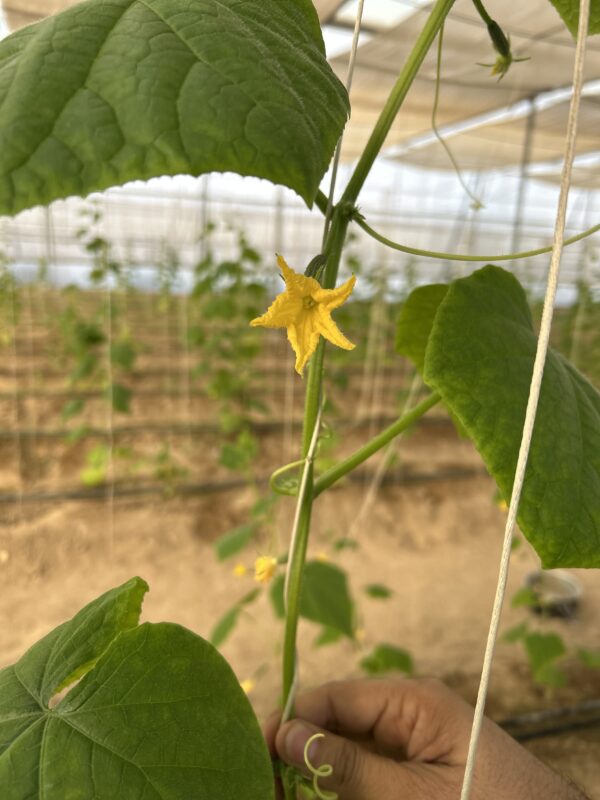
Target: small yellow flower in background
(322, 556)
(304, 308)
(360, 634)
(248, 685)
(240, 570)
(264, 568)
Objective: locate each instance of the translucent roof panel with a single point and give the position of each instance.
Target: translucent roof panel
(467, 89)
(586, 171)
(542, 129)
(377, 14)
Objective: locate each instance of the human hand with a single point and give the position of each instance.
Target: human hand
(407, 740)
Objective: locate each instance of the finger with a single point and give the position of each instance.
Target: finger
(417, 719)
(352, 706)
(357, 774)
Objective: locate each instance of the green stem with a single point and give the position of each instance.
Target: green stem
(333, 252)
(481, 10)
(367, 450)
(415, 251)
(335, 245)
(296, 568)
(312, 398)
(435, 21)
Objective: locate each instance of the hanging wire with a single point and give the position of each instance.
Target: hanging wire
(384, 464)
(12, 288)
(475, 200)
(338, 150)
(186, 377)
(583, 279)
(110, 467)
(534, 392)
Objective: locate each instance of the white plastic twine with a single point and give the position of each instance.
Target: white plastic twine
(338, 149)
(534, 391)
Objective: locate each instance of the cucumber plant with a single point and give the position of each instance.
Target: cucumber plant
(98, 348)
(132, 89)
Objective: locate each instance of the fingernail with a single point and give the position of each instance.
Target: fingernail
(295, 742)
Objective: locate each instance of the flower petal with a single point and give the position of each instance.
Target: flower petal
(295, 282)
(327, 328)
(282, 312)
(306, 321)
(304, 337)
(334, 298)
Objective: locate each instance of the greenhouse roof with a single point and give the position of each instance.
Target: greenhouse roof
(496, 116)
(488, 123)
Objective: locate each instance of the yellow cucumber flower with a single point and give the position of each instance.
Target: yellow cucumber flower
(264, 568)
(304, 308)
(248, 685)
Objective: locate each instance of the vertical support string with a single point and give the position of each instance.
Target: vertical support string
(583, 280)
(17, 416)
(338, 149)
(384, 463)
(534, 392)
(110, 471)
(530, 120)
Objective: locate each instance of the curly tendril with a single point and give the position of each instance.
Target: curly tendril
(324, 771)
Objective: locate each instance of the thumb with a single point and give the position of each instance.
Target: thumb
(357, 773)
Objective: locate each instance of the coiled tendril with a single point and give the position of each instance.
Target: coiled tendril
(324, 771)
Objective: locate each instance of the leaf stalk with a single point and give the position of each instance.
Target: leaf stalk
(415, 251)
(376, 443)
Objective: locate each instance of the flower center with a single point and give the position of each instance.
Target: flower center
(308, 302)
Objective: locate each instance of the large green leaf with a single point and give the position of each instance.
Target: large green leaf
(158, 715)
(115, 90)
(325, 597)
(569, 11)
(479, 357)
(416, 320)
(414, 326)
(70, 650)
